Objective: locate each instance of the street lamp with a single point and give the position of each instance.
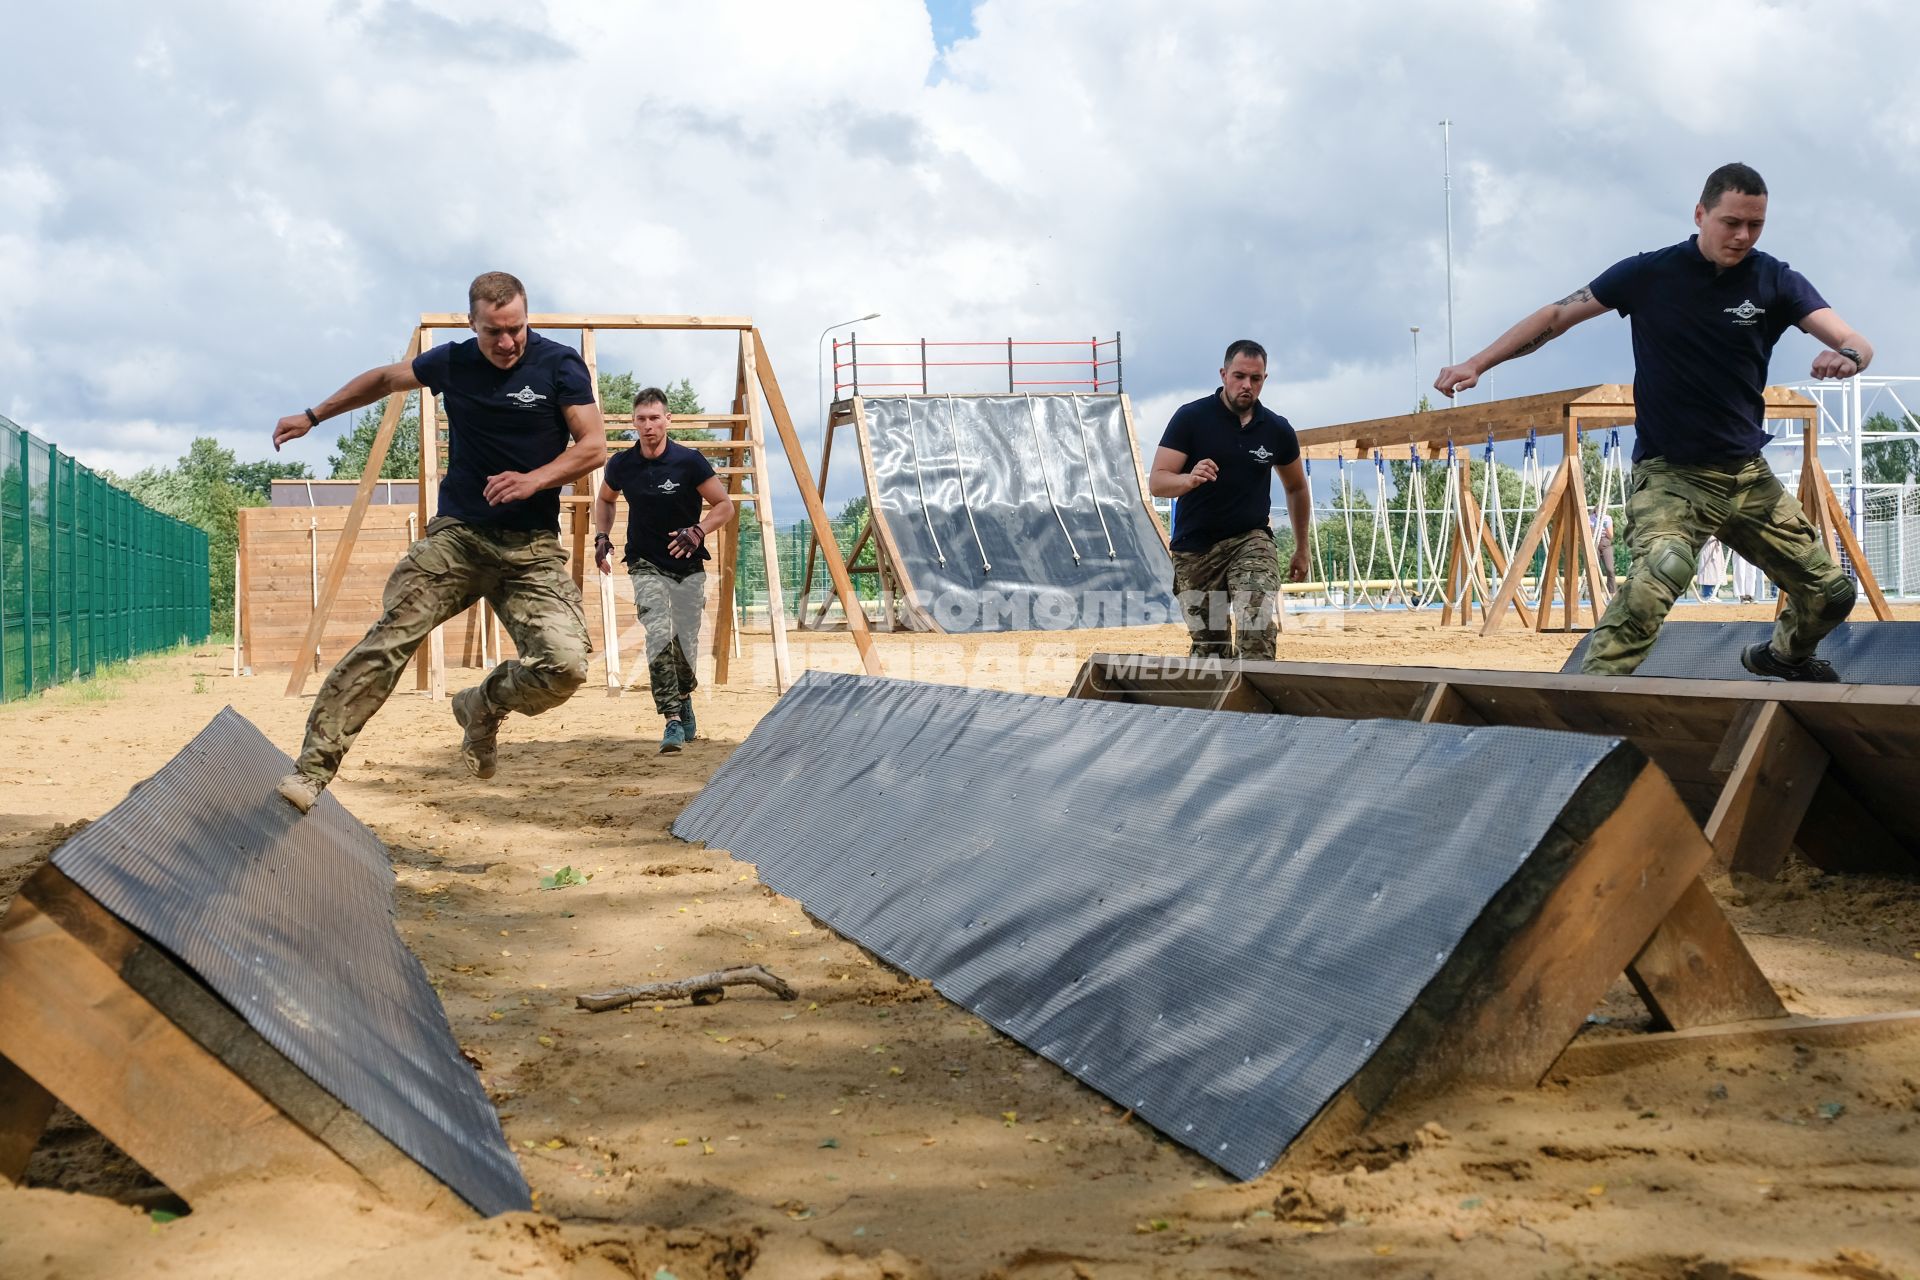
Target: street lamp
(1415, 329)
(819, 365)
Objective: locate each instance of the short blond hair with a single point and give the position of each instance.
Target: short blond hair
(496, 287)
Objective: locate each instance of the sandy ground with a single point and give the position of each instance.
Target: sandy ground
(873, 1130)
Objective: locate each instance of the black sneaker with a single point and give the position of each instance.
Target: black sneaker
(1763, 661)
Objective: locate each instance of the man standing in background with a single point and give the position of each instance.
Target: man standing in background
(1216, 459)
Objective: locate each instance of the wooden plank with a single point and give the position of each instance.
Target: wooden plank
(1604, 1056)
(431, 675)
(609, 621)
(343, 551)
(24, 1110)
(822, 527)
(1523, 554)
(1862, 571)
(1775, 773)
(1696, 972)
(69, 1020)
(212, 1025)
(592, 320)
(1444, 704)
(1520, 983)
(763, 510)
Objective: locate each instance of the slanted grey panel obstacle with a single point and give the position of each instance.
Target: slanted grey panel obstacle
(1158, 900)
(1879, 653)
(1013, 513)
(289, 919)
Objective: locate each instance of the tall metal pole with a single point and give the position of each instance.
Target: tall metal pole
(1416, 367)
(1446, 180)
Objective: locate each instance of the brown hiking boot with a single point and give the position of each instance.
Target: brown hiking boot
(300, 791)
(480, 725)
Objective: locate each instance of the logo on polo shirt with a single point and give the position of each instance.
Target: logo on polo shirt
(1746, 312)
(668, 486)
(1261, 453)
(526, 397)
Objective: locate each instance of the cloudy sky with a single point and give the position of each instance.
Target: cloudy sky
(212, 213)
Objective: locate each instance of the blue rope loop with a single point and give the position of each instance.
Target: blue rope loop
(1449, 450)
(1379, 462)
(1489, 446)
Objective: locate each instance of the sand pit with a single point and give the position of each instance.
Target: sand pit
(869, 1129)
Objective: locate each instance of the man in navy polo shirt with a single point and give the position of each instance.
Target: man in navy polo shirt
(513, 401)
(1706, 314)
(1216, 460)
(665, 484)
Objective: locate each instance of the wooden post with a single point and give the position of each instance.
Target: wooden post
(724, 624)
(433, 673)
(350, 531)
(763, 506)
(609, 619)
(822, 528)
(1509, 592)
(1776, 769)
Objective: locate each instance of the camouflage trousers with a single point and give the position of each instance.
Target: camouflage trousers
(1671, 512)
(669, 608)
(522, 574)
(1236, 582)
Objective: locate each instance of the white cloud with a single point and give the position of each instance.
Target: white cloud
(233, 208)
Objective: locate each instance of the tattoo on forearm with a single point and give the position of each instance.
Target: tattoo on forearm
(1536, 342)
(1578, 295)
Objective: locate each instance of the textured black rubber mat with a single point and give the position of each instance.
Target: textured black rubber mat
(1213, 919)
(290, 920)
(1862, 652)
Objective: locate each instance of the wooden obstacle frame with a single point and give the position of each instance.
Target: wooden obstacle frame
(1562, 523)
(896, 586)
(95, 1015)
(740, 456)
(1762, 767)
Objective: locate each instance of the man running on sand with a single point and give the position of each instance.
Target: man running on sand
(513, 399)
(666, 483)
(1706, 314)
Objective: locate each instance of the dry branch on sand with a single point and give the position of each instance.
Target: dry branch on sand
(707, 988)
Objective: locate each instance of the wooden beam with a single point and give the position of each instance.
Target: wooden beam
(822, 527)
(1140, 474)
(1509, 591)
(1777, 768)
(763, 513)
(1606, 1055)
(433, 674)
(593, 320)
(350, 531)
(1862, 571)
(67, 1018)
(25, 1108)
(1695, 971)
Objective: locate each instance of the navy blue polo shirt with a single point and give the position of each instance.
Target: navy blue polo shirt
(503, 420)
(1702, 337)
(663, 494)
(1238, 499)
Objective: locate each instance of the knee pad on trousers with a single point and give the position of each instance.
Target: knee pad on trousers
(1670, 561)
(1837, 598)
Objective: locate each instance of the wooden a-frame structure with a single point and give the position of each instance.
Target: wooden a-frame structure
(742, 459)
(1563, 521)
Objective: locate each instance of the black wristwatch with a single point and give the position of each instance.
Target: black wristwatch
(311, 420)
(1859, 362)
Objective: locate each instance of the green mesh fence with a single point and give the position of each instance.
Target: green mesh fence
(88, 576)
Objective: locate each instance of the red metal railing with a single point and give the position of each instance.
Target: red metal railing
(853, 367)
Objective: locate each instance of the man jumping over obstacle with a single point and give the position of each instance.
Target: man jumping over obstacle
(1216, 459)
(513, 398)
(1706, 314)
(665, 483)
